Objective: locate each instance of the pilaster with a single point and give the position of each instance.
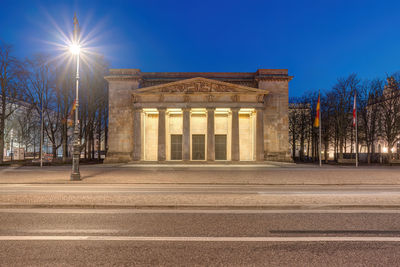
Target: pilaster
(137, 134)
(235, 153)
(161, 134)
(259, 134)
(186, 134)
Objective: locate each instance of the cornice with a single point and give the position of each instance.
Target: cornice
(273, 78)
(136, 74)
(110, 78)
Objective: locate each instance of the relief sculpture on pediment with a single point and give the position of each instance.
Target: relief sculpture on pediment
(198, 87)
(220, 88)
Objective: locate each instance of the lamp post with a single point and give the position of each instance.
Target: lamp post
(11, 146)
(75, 49)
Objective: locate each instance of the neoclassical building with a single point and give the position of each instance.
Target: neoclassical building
(198, 116)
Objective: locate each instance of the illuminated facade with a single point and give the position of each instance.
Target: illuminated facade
(205, 117)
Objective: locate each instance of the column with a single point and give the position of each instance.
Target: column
(137, 134)
(235, 155)
(260, 134)
(161, 134)
(210, 135)
(186, 134)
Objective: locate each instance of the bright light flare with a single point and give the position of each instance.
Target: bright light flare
(75, 49)
(65, 46)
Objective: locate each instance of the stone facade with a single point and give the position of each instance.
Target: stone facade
(198, 116)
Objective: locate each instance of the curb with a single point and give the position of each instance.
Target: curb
(68, 182)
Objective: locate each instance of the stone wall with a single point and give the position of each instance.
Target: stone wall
(276, 121)
(120, 116)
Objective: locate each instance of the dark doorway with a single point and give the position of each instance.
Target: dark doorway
(220, 147)
(198, 147)
(176, 147)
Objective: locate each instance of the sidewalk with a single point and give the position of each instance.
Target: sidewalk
(127, 186)
(263, 175)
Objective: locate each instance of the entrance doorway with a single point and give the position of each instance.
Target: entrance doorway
(176, 147)
(198, 147)
(220, 147)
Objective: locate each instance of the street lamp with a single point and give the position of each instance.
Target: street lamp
(75, 50)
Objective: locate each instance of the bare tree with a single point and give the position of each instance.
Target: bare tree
(311, 98)
(344, 90)
(327, 117)
(65, 77)
(389, 105)
(27, 123)
(43, 90)
(293, 126)
(93, 103)
(11, 89)
(368, 113)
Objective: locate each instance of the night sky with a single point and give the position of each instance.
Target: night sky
(318, 41)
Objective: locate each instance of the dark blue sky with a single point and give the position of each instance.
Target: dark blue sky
(317, 41)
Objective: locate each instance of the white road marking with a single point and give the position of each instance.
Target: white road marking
(77, 231)
(202, 211)
(211, 166)
(204, 238)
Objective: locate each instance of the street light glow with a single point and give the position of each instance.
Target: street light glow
(75, 49)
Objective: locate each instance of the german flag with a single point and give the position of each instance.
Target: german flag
(316, 121)
(73, 106)
(67, 120)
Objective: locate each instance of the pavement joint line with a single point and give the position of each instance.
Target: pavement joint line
(205, 238)
(211, 206)
(165, 186)
(198, 211)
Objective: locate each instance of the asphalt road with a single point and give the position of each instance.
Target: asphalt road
(187, 237)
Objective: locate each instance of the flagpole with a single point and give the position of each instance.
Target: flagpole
(41, 128)
(355, 101)
(320, 146)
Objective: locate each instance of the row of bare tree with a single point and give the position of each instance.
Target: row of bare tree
(46, 85)
(378, 112)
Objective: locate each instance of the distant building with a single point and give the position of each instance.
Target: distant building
(381, 147)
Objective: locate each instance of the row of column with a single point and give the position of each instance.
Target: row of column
(235, 152)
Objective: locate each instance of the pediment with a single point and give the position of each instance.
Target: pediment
(199, 86)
